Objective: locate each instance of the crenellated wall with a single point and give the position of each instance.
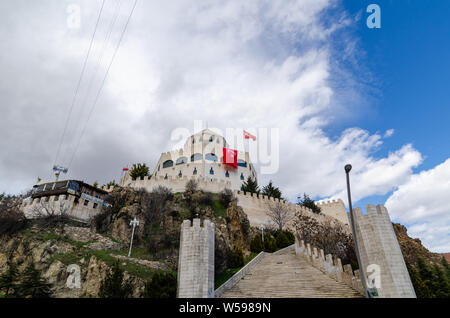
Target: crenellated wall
(61, 203)
(335, 209)
(378, 245)
(256, 207)
(196, 260)
(330, 265)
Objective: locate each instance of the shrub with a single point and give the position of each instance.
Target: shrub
(226, 196)
(206, 199)
(12, 221)
(191, 186)
(236, 258)
(256, 245)
(270, 244)
(284, 239)
(114, 286)
(162, 285)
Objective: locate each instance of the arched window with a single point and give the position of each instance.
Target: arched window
(193, 140)
(180, 174)
(195, 171)
(168, 164)
(181, 160)
(211, 157)
(165, 176)
(211, 171)
(227, 174)
(196, 157)
(211, 139)
(242, 176)
(242, 163)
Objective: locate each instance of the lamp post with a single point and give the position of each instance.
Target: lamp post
(348, 168)
(262, 231)
(133, 223)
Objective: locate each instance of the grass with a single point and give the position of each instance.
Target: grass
(137, 252)
(53, 236)
(222, 278)
(132, 268)
(219, 209)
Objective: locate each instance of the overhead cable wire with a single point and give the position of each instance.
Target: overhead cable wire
(104, 80)
(79, 83)
(99, 62)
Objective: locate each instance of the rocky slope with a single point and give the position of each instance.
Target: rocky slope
(95, 248)
(412, 247)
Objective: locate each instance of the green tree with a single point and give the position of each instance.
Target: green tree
(256, 245)
(139, 170)
(421, 289)
(162, 285)
(114, 286)
(33, 285)
(95, 184)
(308, 203)
(440, 284)
(271, 191)
(250, 186)
(446, 268)
(8, 280)
(112, 184)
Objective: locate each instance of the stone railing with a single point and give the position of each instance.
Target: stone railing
(330, 266)
(238, 276)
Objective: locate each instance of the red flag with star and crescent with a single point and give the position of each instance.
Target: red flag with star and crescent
(230, 157)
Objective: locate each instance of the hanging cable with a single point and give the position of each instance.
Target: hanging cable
(103, 82)
(99, 62)
(79, 84)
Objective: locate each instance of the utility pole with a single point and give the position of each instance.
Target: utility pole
(133, 223)
(348, 168)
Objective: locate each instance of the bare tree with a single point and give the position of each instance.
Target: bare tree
(279, 213)
(12, 219)
(50, 214)
(191, 186)
(330, 235)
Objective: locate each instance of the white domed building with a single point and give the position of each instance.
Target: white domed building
(200, 159)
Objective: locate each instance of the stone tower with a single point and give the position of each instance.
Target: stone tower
(196, 260)
(378, 245)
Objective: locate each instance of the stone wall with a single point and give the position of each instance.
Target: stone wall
(196, 260)
(334, 208)
(61, 203)
(330, 265)
(378, 245)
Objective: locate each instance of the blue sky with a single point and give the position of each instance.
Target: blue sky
(409, 58)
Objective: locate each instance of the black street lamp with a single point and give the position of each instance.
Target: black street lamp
(348, 168)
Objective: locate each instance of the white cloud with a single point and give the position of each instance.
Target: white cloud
(389, 133)
(236, 64)
(423, 203)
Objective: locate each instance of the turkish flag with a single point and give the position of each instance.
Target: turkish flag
(125, 169)
(230, 157)
(248, 135)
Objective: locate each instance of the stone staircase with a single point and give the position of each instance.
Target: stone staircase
(285, 275)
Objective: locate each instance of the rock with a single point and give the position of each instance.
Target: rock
(96, 272)
(3, 262)
(54, 272)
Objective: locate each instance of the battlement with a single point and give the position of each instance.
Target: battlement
(378, 245)
(196, 260)
(330, 265)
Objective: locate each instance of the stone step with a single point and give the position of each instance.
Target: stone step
(287, 275)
